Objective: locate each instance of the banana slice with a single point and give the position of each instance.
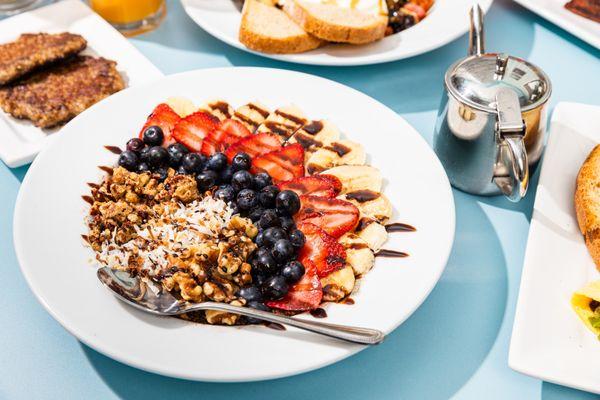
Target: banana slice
(284, 121)
(371, 204)
(358, 254)
(315, 134)
(219, 108)
(372, 232)
(181, 106)
(251, 115)
(338, 284)
(357, 177)
(342, 152)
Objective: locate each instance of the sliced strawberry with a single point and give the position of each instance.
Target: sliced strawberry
(283, 165)
(214, 142)
(255, 145)
(322, 249)
(334, 180)
(166, 118)
(235, 130)
(334, 216)
(191, 130)
(304, 295)
(314, 185)
(228, 133)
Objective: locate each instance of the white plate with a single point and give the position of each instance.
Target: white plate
(548, 340)
(21, 140)
(49, 219)
(447, 20)
(555, 12)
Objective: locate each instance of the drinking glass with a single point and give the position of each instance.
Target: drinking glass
(12, 7)
(131, 17)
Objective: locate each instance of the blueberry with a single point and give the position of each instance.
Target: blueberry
(176, 152)
(205, 180)
(255, 214)
(286, 223)
(297, 238)
(292, 271)
(144, 154)
(193, 162)
(142, 167)
(246, 199)
(267, 196)
(181, 170)
(268, 219)
(275, 287)
(128, 160)
(261, 180)
(216, 162)
(287, 202)
(135, 145)
(260, 239)
(250, 293)
(282, 250)
(274, 234)
(241, 161)
(257, 306)
(264, 263)
(241, 180)
(226, 174)
(161, 173)
(225, 193)
(157, 156)
(153, 136)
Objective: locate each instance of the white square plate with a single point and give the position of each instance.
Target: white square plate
(21, 140)
(555, 12)
(548, 340)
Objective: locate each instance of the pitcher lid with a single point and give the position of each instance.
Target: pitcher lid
(476, 80)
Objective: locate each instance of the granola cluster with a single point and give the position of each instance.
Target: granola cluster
(174, 235)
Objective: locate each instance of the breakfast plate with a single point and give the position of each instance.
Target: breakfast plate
(548, 339)
(446, 21)
(21, 140)
(57, 264)
(555, 12)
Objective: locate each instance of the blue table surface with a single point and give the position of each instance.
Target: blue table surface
(455, 345)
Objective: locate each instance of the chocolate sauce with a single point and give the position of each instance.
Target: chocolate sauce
(318, 313)
(222, 107)
(259, 110)
(275, 325)
(88, 199)
(306, 141)
(313, 127)
(340, 149)
(113, 149)
(357, 246)
(245, 119)
(280, 129)
(93, 185)
(399, 227)
(347, 300)
(313, 169)
(362, 196)
(363, 223)
(293, 118)
(390, 253)
(86, 238)
(106, 169)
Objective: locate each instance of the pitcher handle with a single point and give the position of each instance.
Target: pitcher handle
(515, 187)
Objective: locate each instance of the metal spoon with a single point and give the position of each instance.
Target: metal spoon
(154, 300)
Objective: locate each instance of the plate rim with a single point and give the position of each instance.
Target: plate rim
(345, 62)
(106, 349)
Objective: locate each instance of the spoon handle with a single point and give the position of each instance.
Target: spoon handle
(347, 333)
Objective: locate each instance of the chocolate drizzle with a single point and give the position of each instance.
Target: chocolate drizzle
(93, 185)
(338, 148)
(318, 313)
(362, 196)
(391, 253)
(313, 127)
(363, 223)
(259, 110)
(306, 141)
(347, 300)
(114, 149)
(399, 227)
(222, 107)
(88, 199)
(290, 117)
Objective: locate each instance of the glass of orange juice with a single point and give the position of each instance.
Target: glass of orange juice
(131, 17)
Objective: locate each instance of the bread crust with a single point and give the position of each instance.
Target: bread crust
(587, 203)
(260, 40)
(327, 29)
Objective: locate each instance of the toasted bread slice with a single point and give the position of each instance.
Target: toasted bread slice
(267, 29)
(587, 203)
(336, 24)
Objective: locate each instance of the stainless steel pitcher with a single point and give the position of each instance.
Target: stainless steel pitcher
(492, 119)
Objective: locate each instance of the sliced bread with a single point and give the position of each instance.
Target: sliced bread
(267, 29)
(587, 203)
(336, 24)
